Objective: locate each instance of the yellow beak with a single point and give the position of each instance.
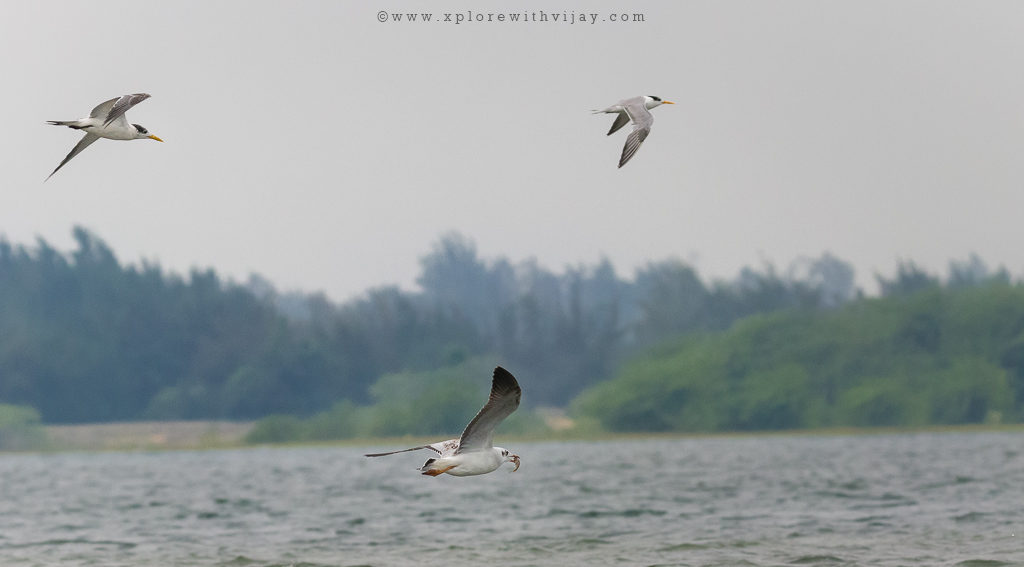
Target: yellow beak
(152, 137)
(667, 102)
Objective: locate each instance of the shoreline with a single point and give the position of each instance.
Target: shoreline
(147, 435)
(204, 435)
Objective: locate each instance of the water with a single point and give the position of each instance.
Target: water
(915, 499)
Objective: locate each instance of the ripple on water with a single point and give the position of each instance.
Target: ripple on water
(818, 560)
(969, 517)
(628, 513)
(58, 542)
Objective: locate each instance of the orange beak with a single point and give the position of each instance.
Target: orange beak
(667, 102)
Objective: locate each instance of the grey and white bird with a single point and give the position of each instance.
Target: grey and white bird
(474, 453)
(637, 109)
(107, 120)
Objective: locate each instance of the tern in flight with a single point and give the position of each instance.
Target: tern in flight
(474, 453)
(106, 121)
(637, 109)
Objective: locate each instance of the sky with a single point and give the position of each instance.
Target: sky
(328, 151)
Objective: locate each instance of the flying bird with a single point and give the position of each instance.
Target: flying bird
(474, 453)
(637, 109)
(106, 121)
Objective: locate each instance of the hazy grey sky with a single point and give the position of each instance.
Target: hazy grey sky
(313, 144)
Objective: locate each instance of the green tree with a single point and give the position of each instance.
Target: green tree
(20, 429)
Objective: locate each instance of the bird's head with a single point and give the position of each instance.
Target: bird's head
(141, 132)
(653, 101)
(509, 458)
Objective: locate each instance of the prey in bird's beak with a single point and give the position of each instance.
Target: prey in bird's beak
(152, 137)
(515, 461)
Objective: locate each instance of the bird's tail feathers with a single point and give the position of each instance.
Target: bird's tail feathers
(433, 468)
(68, 123)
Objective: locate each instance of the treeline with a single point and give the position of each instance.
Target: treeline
(926, 354)
(85, 338)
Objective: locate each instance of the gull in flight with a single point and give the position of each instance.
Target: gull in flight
(474, 453)
(106, 121)
(637, 109)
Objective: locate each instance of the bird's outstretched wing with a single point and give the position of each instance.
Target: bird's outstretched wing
(115, 108)
(81, 145)
(504, 399)
(103, 109)
(636, 137)
(621, 119)
(642, 121)
(442, 448)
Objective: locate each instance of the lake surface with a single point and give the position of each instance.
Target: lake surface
(902, 499)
